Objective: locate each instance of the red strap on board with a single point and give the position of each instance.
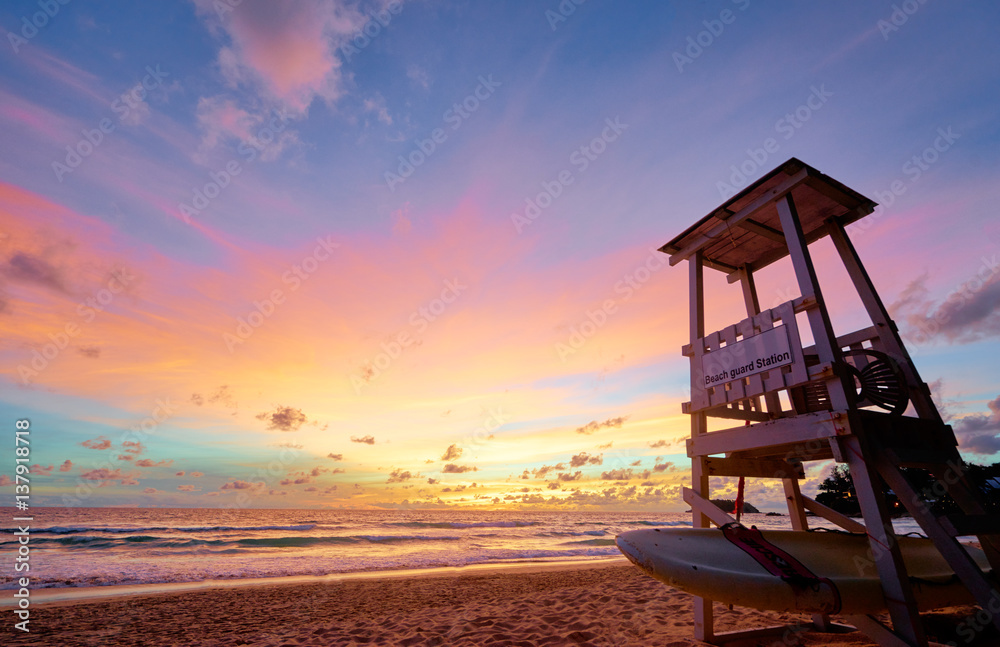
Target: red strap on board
(810, 589)
(738, 511)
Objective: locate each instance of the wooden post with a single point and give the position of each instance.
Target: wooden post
(796, 509)
(703, 620)
(869, 486)
(749, 291)
(819, 319)
(885, 549)
(888, 334)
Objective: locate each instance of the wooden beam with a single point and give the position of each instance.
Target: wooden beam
(725, 268)
(731, 414)
(764, 260)
(696, 297)
(805, 274)
(831, 191)
(711, 236)
(813, 450)
(796, 510)
(800, 429)
(755, 468)
(889, 563)
(832, 515)
(957, 557)
(919, 394)
(851, 338)
(755, 227)
(705, 507)
(749, 287)
(704, 621)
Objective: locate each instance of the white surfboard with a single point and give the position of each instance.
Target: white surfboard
(705, 563)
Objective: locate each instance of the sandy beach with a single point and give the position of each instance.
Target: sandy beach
(611, 604)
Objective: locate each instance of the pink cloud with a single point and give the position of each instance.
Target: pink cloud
(16, 110)
(220, 118)
(980, 433)
(56, 127)
(97, 443)
(66, 466)
(223, 122)
(241, 485)
(45, 471)
(288, 48)
(133, 447)
(5, 480)
(107, 476)
(148, 463)
(188, 488)
(969, 313)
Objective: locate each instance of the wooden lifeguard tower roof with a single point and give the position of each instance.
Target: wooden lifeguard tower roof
(746, 229)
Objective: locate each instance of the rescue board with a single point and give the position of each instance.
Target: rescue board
(785, 570)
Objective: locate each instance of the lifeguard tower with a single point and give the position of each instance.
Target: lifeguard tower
(855, 397)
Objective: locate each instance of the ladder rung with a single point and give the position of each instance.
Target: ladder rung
(960, 525)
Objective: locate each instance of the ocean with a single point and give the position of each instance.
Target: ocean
(85, 547)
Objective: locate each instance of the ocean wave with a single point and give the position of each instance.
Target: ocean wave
(459, 524)
(91, 542)
(303, 542)
(397, 538)
(590, 542)
(253, 566)
(564, 533)
(67, 530)
(659, 523)
(509, 555)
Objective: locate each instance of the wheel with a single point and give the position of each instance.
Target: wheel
(880, 382)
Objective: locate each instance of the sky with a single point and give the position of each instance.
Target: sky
(403, 254)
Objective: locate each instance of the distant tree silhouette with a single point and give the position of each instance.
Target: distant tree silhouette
(837, 490)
